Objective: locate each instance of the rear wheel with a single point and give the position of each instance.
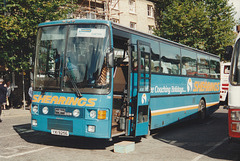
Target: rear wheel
(202, 110)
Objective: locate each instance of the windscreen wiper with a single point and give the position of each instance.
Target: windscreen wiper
(43, 89)
(78, 93)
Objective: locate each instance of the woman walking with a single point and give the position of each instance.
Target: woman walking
(3, 91)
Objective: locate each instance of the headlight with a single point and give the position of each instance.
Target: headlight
(235, 115)
(76, 113)
(45, 110)
(34, 122)
(93, 114)
(91, 128)
(35, 109)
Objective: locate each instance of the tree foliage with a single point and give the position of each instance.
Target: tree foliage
(18, 25)
(203, 24)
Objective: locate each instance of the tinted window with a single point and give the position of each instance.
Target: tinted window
(203, 66)
(235, 75)
(214, 68)
(189, 62)
(155, 58)
(170, 59)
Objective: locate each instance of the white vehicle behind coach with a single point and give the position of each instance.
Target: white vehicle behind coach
(224, 82)
(234, 92)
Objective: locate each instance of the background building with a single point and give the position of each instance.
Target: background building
(137, 14)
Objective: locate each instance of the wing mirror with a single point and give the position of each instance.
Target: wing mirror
(110, 59)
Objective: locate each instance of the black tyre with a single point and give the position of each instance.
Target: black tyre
(202, 110)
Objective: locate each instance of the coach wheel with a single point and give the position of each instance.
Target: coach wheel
(138, 139)
(202, 110)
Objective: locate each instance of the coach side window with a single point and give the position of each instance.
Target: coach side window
(155, 58)
(203, 65)
(189, 62)
(170, 59)
(214, 68)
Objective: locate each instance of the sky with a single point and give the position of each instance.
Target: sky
(236, 4)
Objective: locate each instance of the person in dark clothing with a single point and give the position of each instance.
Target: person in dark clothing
(3, 92)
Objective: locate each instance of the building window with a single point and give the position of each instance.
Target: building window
(133, 25)
(150, 29)
(115, 20)
(132, 6)
(114, 4)
(150, 10)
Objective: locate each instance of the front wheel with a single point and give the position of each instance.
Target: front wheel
(202, 110)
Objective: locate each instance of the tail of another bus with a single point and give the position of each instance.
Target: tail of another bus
(224, 82)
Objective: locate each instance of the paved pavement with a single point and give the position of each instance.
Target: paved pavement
(15, 112)
(189, 140)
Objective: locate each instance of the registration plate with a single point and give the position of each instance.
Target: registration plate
(59, 132)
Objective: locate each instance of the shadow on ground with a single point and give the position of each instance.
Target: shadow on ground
(77, 142)
(201, 137)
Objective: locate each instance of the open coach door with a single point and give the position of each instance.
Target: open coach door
(143, 88)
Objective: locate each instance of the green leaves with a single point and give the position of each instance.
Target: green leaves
(18, 27)
(202, 24)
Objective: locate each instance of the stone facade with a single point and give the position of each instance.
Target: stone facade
(137, 14)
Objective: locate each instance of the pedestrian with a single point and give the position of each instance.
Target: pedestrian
(9, 91)
(30, 93)
(3, 92)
